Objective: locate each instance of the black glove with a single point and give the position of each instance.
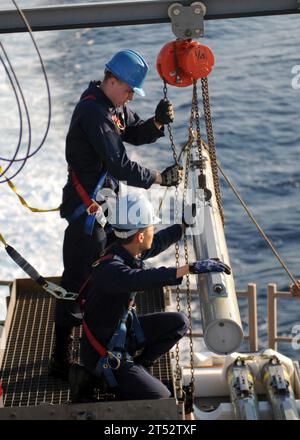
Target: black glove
(211, 265)
(164, 113)
(171, 176)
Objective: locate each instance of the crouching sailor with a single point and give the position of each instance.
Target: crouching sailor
(112, 331)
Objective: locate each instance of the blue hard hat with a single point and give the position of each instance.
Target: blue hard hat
(129, 67)
(133, 212)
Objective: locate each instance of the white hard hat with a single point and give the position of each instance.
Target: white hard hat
(133, 212)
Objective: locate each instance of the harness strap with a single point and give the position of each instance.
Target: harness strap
(91, 205)
(93, 341)
(93, 97)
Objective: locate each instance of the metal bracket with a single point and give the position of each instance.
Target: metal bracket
(187, 21)
(59, 292)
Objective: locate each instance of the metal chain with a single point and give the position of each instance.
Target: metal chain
(197, 120)
(188, 289)
(171, 137)
(211, 145)
(178, 381)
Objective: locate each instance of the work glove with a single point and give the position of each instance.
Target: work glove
(171, 176)
(164, 113)
(211, 265)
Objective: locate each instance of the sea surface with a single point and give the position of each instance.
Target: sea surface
(255, 97)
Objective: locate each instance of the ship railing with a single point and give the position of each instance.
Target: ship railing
(273, 295)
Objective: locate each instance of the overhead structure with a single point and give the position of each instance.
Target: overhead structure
(120, 13)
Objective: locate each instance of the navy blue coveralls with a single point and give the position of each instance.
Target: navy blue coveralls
(106, 299)
(94, 145)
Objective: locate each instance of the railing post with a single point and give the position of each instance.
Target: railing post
(252, 317)
(272, 316)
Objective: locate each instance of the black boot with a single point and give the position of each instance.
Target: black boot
(62, 354)
(82, 385)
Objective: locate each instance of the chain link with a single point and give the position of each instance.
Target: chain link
(211, 145)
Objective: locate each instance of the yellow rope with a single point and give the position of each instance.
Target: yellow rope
(3, 240)
(22, 200)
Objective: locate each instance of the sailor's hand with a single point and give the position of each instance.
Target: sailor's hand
(210, 265)
(164, 113)
(171, 176)
(295, 288)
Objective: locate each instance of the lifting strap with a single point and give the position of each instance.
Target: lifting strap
(22, 200)
(52, 288)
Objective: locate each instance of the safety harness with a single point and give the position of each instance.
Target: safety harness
(89, 203)
(114, 354)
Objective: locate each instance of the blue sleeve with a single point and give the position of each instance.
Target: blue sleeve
(139, 132)
(121, 278)
(162, 240)
(109, 146)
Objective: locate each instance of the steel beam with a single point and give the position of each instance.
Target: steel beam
(122, 13)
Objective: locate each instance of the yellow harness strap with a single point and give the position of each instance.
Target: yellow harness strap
(22, 200)
(2, 239)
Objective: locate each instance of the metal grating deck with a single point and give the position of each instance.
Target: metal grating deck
(28, 337)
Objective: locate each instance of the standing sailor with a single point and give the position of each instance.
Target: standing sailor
(97, 158)
(112, 330)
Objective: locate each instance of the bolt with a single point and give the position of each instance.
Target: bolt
(198, 11)
(198, 31)
(221, 324)
(218, 288)
(176, 11)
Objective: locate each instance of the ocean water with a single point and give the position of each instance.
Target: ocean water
(255, 106)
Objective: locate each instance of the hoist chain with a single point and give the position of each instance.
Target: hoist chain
(171, 137)
(194, 113)
(196, 116)
(188, 289)
(211, 145)
(178, 383)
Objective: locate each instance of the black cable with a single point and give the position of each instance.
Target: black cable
(20, 113)
(21, 119)
(28, 155)
(46, 80)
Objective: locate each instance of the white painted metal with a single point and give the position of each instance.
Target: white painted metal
(221, 322)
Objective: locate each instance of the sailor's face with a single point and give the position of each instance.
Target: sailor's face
(122, 93)
(148, 234)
